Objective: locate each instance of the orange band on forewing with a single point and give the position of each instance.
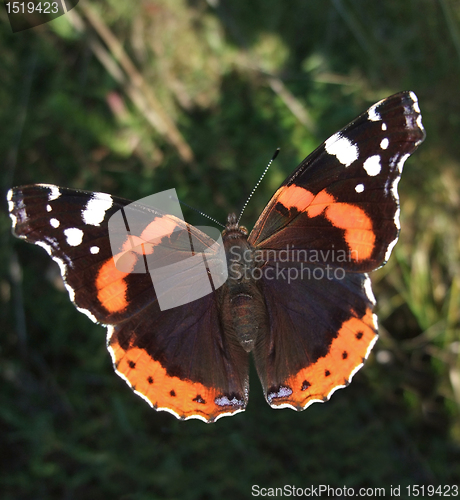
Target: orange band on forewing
(294, 197)
(358, 228)
(152, 235)
(149, 378)
(111, 285)
(158, 229)
(136, 244)
(356, 223)
(110, 281)
(321, 201)
(347, 352)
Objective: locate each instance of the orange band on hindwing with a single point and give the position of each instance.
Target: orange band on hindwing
(184, 398)
(346, 355)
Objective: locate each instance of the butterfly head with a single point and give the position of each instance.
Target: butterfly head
(232, 229)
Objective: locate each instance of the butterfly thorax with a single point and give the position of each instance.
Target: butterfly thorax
(242, 292)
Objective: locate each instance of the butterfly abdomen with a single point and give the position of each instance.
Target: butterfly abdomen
(246, 305)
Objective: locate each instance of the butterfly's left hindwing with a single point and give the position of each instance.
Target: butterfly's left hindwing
(181, 361)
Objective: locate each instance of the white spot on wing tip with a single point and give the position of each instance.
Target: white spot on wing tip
(384, 143)
(342, 148)
(9, 195)
(48, 208)
(372, 165)
(372, 114)
(94, 250)
(359, 188)
(97, 206)
(54, 192)
(54, 223)
(74, 236)
(384, 126)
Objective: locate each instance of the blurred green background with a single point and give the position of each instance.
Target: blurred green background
(132, 98)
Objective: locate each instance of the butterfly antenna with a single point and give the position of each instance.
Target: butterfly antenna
(275, 154)
(199, 212)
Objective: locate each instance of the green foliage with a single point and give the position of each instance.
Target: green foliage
(237, 79)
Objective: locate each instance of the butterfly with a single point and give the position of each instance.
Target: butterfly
(294, 292)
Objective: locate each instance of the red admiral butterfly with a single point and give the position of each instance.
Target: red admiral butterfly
(304, 309)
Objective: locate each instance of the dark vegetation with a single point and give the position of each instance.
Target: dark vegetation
(226, 83)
